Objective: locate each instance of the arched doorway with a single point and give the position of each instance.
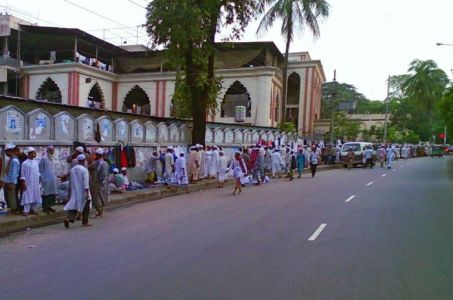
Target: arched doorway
(49, 91)
(96, 97)
(293, 89)
(236, 95)
(137, 101)
(293, 99)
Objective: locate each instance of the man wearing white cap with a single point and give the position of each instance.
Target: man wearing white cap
(48, 180)
(73, 158)
(11, 178)
(79, 202)
(99, 184)
(169, 163)
(193, 164)
(29, 177)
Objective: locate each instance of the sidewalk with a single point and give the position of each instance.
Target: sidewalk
(12, 224)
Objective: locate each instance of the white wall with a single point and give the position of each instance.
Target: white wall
(61, 79)
(259, 89)
(84, 90)
(148, 86)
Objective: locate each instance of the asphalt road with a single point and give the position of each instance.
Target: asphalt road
(284, 240)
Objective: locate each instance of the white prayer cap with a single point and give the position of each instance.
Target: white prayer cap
(9, 146)
(79, 149)
(81, 157)
(50, 147)
(100, 151)
(123, 169)
(31, 149)
(170, 148)
(115, 170)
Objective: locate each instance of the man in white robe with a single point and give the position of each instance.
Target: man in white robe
(222, 169)
(48, 180)
(193, 164)
(169, 165)
(276, 162)
(181, 177)
(79, 202)
(200, 161)
(207, 157)
(214, 162)
(29, 177)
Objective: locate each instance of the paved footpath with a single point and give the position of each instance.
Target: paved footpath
(358, 234)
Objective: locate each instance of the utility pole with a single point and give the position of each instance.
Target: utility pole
(387, 100)
(445, 136)
(334, 106)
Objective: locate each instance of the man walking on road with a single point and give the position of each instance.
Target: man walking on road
(80, 199)
(48, 180)
(99, 183)
(381, 155)
(350, 157)
(314, 160)
(368, 155)
(390, 154)
(29, 180)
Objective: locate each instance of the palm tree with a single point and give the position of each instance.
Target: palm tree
(295, 15)
(425, 86)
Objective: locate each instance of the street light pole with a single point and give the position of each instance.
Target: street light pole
(332, 117)
(387, 100)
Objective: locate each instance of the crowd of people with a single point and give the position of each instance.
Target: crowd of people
(28, 182)
(254, 164)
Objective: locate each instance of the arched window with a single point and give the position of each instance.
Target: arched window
(293, 89)
(137, 101)
(236, 95)
(95, 97)
(49, 91)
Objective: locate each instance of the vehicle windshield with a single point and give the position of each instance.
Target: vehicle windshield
(354, 146)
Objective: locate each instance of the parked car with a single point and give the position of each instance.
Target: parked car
(449, 150)
(358, 148)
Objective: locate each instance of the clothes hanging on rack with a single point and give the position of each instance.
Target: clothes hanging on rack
(130, 156)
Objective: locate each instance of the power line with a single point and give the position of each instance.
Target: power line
(137, 4)
(99, 15)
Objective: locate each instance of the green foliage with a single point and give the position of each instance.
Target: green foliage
(370, 107)
(373, 134)
(186, 29)
(287, 127)
(345, 128)
(446, 112)
(334, 93)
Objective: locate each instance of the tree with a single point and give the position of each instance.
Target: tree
(294, 14)
(425, 88)
(334, 93)
(346, 128)
(446, 109)
(187, 30)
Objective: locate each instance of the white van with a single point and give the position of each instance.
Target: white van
(358, 148)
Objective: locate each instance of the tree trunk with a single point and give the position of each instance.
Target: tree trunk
(285, 74)
(198, 109)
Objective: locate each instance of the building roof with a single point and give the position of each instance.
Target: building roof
(70, 34)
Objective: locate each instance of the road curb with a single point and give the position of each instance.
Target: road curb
(19, 223)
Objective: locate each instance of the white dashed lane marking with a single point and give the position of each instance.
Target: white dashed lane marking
(350, 198)
(383, 175)
(318, 231)
(369, 183)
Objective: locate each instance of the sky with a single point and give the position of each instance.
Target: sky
(365, 41)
